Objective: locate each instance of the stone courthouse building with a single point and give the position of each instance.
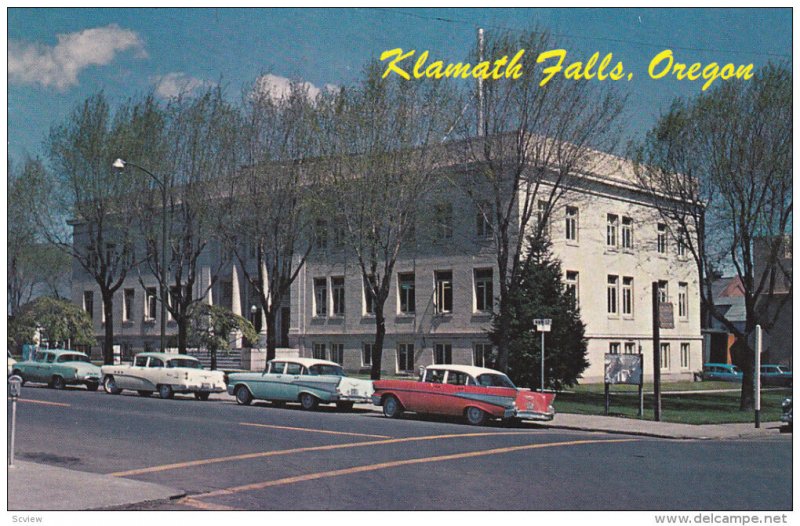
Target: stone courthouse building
(606, 232)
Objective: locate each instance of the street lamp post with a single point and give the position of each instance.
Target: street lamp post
(120, 164)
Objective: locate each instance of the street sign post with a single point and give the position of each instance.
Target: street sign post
(14, 390)
(543, 326)
(757, 378)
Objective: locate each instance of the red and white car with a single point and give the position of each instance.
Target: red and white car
(461, 390)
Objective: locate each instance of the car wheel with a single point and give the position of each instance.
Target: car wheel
(17, 373)
(110, 385)
(202, 396)
(58, 383)
(344, 406)
(145, 393)
(243, 396)
(392, 407)
(165, 392)
(476, 416)
(308, 401)
(92, 386)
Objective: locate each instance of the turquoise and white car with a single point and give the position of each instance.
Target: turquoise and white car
(59, 368)
(306, 380)
(165, 373)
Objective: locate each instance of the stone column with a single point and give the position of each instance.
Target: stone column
(236, 304)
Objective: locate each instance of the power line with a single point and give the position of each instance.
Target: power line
(580, 37)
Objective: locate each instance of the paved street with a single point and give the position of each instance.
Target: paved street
(223, 456)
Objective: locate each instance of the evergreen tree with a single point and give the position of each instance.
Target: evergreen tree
(541, 294)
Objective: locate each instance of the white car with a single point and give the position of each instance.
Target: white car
(166, 373)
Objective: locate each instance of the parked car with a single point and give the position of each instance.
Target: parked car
(59, 368)
(776, 375)
(306, 380)
(473, 392)
(11, 362)
(721, 372)
(164, 373)
(786, 415)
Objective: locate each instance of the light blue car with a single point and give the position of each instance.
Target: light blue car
(305, 380)
(721, 372)
(59, 368)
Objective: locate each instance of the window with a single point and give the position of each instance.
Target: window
(627, 233)
(542, 216)
(483, 221)
(127, 304)
(173, 301)
(681, 248)
(683, 301)
(150, 303)
(662, 238)
(319, 351)
(444, 220)
(663, 291)
(321, 234)
(405, 289)
(685, 356)
(482, 355)
(664, 356)
(627, 296)
(155, 362)
(337, 353)
(366, 354)
(278, 367)
(613, 348)
(613, 282)
(571, 232)
(484, 295)
(612, 223)
(294, 368)
(405, 357)
(442, 353)
(571, 284)
(337, 295)
(111, 253)
(320, 297)
(630, 348)
(369, 299)
(88, 303)
(444, 292)
(140, 361)
(457, 378)
(339, 232)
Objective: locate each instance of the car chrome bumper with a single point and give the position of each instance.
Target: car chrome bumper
(529, 415)
(197, 389)
(359, 399)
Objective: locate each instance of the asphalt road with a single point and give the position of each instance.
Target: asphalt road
(261, 457)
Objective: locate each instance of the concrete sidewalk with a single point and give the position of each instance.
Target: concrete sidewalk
(39, 487)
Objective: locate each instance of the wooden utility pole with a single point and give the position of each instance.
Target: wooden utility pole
(656, 354)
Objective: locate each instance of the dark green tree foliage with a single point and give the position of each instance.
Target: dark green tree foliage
(63, 324)
(541, 294)
(212, 327)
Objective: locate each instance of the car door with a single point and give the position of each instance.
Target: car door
(131, 377)
(273, 386)
(429, 398)
(450, 403)
(39, 367)
(291, 386)
(156, 373)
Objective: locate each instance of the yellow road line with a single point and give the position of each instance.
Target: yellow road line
(192, 503)
(264, 454)
(313, 430)
(42, 402)
(397, 463)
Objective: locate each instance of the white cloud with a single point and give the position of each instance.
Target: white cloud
(280, 87)
(176, 83)
(60, 65)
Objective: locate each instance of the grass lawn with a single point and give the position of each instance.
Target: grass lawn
(665, 387)
(695, 408)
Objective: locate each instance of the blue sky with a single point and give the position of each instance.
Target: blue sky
(57, 57)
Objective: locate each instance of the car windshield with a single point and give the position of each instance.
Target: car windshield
(183, 362)
(320, 369)
(72, 358)
(495, 380)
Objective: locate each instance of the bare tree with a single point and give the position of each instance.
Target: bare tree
(381, 145)
(719, 168)
(83, 188)
(268, 200)
(532, 145)
(196, 152)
